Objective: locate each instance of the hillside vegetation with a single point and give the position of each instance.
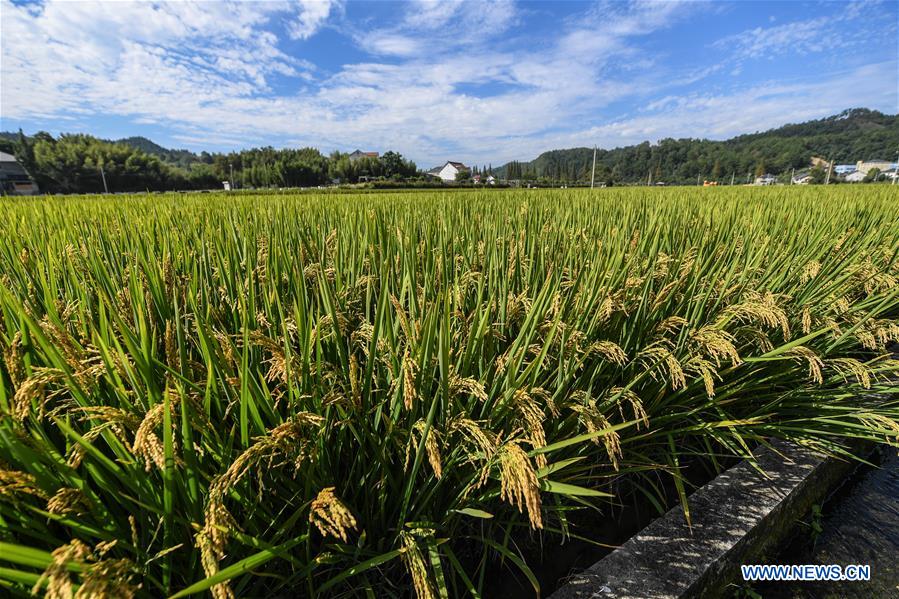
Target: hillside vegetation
(848, 137)
(80, 163)
(71, 163)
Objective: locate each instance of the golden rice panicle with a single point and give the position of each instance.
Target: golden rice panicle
(410, 368)
(209, 559)
(706, 371)
(760, 309)
(432, 446)
(610, 351)
(806, 320)
(57, 576)
(100, 578)
(595, 422)
(331, 516)
(485, 440)
(462, 385)
(718, 344)
(810, 271)
(147, 445)
(279, 363)
(518, 482)
(68, 501)
(632, 399)
(850, 367)
(415, 564)
(671, 325)
(291, 440)
(288, 440)
(478, 445)
(108, 579)
(34, 390)
(658, 359)
(14, 482)
(172, 353)
(212, 539)
(12, 356)
(815, 365)
(886, 426)
(530, 418)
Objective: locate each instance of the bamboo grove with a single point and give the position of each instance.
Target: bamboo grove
(401, 394)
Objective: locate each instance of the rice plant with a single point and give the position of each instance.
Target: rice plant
(397, 395)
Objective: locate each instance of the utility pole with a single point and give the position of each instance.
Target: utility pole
(829, 168)
(792, 174)
(896, 170)
(649, 177)
(103, 174)
(732, 175)
(593, 172)
(697, 178)
(231, 178)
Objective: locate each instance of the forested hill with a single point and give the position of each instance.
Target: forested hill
(857, 134)
(79, 163)
(71, 163)
(182, 158)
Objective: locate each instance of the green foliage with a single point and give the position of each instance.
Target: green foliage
(818, 174)
(872, 175)
(181, 158)
(366, 394)
(857, 134)
(72, 164)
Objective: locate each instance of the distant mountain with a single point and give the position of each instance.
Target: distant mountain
(853, 135)
(182, 158)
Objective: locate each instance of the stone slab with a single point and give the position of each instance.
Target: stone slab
(736, 519)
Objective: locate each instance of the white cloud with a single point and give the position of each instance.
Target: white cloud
(72, 57)
(817, 34)
(800, 37)
(756, 108)
(454, 85)
(313, 14)
(450, 25)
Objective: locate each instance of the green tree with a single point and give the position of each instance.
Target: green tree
(818, 175)
(872, 175)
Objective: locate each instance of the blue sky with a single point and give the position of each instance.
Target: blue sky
(479, 82)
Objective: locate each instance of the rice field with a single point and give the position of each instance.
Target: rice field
(405, 394)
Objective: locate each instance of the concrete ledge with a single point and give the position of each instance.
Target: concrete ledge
(737, 518)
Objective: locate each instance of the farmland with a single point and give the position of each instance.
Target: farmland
(394, 394)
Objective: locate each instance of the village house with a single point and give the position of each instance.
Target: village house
(802, 178)
(448, 171)
(358, 155)
(867, 165)
(14, 180)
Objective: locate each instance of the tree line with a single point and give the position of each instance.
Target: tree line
(78, 163)
(857, 134)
